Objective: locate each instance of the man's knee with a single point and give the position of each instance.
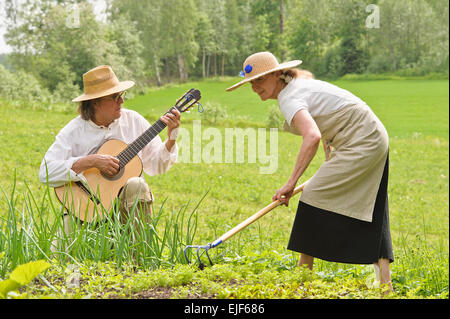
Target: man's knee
(135, 190)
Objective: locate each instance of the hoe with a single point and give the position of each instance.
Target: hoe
(235, 230)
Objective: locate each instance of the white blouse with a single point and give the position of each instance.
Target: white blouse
(79, 137)
(318, 97)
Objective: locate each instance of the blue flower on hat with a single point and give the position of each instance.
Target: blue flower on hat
(242, 74)
(248, 68)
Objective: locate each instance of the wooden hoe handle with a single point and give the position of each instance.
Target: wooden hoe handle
(254, 217)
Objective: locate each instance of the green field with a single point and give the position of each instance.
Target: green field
(254, 263)
(405, 107)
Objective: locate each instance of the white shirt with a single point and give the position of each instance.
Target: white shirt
(79, 137)
(318, 97)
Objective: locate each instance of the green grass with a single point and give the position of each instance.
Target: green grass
(405, 107)
(254, 263)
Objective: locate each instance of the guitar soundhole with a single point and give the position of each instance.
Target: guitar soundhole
(115, 177)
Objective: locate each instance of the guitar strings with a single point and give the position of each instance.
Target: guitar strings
(131, 150)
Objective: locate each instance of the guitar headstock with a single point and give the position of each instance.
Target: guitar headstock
(188, 100)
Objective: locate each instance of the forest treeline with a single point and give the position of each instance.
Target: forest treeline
(156, 42)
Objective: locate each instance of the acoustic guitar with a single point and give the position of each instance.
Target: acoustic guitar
(93, 200)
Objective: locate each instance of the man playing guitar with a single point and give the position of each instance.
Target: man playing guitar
(74, 154)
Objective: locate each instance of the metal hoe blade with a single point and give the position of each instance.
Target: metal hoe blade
(236, 229)
(207, 247)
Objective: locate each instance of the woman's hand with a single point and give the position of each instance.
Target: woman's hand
(284, 193)
(308, 128)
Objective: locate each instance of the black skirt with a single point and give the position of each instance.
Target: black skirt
(338, 238)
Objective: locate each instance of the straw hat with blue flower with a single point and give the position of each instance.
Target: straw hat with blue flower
(260, 64)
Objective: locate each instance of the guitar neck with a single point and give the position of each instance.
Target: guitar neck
(138, 144)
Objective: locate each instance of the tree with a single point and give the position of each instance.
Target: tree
(311, 34)
(146, 16)
(204, 37)
(262, 34)
(58, 54)
(269, 16)
(352, 20)
(233, 33)
(152, 40)
(215, 11)
(304, 41)
(179, 18)
(412, 35)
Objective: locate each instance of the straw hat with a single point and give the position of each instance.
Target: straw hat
(101, 81)
(262, 63)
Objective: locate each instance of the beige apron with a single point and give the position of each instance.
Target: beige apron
(347, 182)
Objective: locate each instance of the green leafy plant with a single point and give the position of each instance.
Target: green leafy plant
(22, 275)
